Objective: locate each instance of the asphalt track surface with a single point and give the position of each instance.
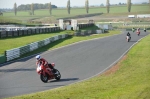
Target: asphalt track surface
(75, 62)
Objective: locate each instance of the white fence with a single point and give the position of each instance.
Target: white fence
(139, 16)
(17, 52)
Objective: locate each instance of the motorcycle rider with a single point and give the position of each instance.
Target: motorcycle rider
(144, 29)
(128, 35)
(42, 61)
(138, 29)
(133, 29)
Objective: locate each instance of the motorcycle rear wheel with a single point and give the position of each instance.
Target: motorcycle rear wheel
(44, 78)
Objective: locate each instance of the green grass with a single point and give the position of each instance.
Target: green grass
(43, 14)
(130, 81)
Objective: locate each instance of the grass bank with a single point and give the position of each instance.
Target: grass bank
(129, 79)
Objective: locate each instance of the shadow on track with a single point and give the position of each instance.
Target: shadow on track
(63, 80)
(133, 41)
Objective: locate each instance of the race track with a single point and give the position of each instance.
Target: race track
(75, 63)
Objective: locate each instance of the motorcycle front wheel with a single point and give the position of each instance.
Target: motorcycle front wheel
(57, 75)
(44, 78)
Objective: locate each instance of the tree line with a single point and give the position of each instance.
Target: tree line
(107, 6)
(49, 6)
(36, 6)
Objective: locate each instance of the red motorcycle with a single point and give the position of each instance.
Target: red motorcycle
(138, 33)
(46, 73)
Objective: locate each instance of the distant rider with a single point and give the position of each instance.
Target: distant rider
(138, 28)
(138, 31)
(133, 29)
(144, 29)
(128, 35)
(42, 61)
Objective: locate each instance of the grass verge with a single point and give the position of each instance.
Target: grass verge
(130, 81)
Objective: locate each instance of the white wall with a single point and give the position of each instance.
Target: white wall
(143, 16)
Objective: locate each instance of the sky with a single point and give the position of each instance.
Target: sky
(62, 3)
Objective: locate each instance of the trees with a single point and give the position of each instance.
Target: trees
(15, 9)
(68, 6)
(129, 5)
(50, 8)
(32, 9)
(36, 6)
(87, 6)
(102, 5)
(107, 5)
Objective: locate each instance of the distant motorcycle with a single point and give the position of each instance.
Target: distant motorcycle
(133, 30)
(138, 33)
(46, 73)
(128, 38)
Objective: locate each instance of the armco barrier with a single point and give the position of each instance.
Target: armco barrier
(85, 25)
(25, 32)
(17, 52)
(87, 32)
(46, 30)
(20, 32)
(3, 34)
(24, 49)
(43, 30)
(9, 33)
(12, 54)
(37, 31)
(29, 31)
(33, 31)
(15, 33)
(147, 28)
(128, 29)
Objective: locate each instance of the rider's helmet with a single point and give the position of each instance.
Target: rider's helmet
(53, 64)
(38, 57)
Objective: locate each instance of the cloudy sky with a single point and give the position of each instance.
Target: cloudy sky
(62, 3)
